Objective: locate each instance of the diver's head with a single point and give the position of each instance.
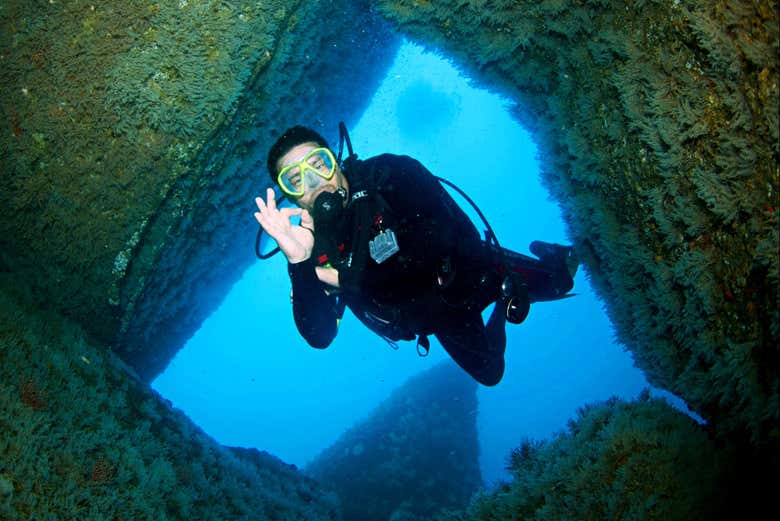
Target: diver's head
(303, 166)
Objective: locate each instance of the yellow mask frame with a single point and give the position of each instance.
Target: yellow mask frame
(315, 161)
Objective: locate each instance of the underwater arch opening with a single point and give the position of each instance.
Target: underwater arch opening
(658, 125)
(248, 378)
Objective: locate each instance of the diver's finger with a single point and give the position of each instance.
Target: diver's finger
(262, 213)
(270, 224)
(306, 218)
(288, 212)
(262, 220)
(271, 199)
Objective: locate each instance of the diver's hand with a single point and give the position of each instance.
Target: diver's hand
(329, 276)
(296, 242)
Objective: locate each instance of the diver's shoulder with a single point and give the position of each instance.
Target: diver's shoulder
(390, 162)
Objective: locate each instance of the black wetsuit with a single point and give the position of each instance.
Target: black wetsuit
(438, 282)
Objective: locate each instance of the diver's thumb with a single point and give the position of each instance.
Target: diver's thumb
(306, 219)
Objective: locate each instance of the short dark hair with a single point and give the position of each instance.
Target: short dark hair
(291, 137)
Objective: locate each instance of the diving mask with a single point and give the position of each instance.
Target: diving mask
(297, 178)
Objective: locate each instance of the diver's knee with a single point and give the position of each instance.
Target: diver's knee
(490, 377)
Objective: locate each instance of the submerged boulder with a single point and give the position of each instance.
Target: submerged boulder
(415, 456)
(616, 460)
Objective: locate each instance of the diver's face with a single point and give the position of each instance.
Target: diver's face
(314, 184)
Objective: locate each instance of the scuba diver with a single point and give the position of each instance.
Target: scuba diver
(383, 237)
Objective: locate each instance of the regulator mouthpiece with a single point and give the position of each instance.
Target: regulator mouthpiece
(328, 207)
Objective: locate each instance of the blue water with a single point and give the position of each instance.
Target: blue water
(247, 378)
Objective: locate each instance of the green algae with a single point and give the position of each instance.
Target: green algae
(616, 460)
(83, 438)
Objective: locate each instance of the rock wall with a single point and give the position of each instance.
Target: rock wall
(618, 460)
(134, 136)
(133, 132)
(657, 123)
(81, 437)
(414, 457)
(135, 141)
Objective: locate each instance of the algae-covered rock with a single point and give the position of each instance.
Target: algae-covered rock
(415, 456)
(616, 460)
(134, 143)
(134, 132)
(657, 123)
(82, 438)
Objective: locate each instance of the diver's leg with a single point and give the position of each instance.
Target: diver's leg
(483, 279)
(495, 329)
(476, 349)
(515, 298)
(470, 281)
(557, 255)
(547, 278)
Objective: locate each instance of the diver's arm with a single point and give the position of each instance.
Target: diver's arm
(314, 310)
